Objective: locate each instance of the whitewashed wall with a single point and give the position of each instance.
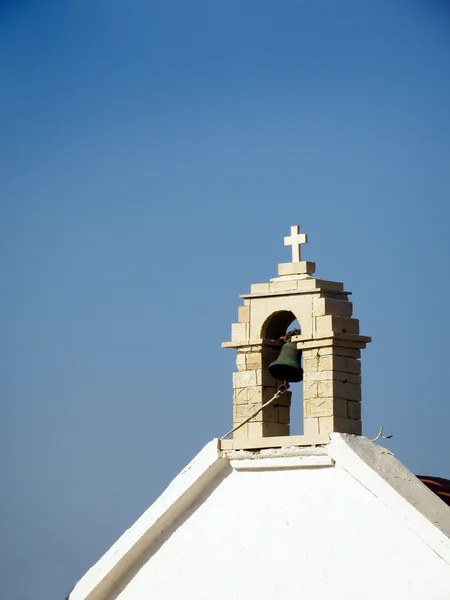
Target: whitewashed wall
(283, 534)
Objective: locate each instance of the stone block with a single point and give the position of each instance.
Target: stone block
(283, 414)
(330, 424)
(340, 407)
(259, 376)
(269, 414)
(308, 283)
(318, 407)
(339, 351)
(311, 426)
(239, 332)
(335, 286)
(280, 286)
(353, 410)
(240, 395)
(345, 364)
(243, 411)
(309, 376)
(325, 389)
(326, 424)
(310, 354)
(254, 430)
(254, 361)
(347, 351)
(283, 400)
(325, 407)
(309, 366)
(347, 426)
(348, 377)
(244, 314)
(240, 434)
(255, 395)
(245, 379)
(349, 391)
(327, 375)
(275, 429)
(313, 364)
(241, 362)
(329, 324)
(338, 389)
(259, 288)
(310, 389)
(296, 268)
(332, 306)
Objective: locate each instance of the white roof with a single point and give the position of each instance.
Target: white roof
(265, 524)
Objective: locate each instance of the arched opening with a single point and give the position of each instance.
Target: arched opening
(277, 324)
(275, 328)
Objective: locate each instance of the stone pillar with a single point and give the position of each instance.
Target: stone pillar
(253, 386)
(332, 390)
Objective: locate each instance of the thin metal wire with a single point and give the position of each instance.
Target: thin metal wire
(380, 435)
(281, 390)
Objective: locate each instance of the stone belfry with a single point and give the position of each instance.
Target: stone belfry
(331, 350)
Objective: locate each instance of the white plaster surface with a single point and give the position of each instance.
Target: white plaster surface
(277, 534)
(303, 529)
(185, 489)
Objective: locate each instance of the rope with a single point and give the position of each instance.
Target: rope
(281, 390)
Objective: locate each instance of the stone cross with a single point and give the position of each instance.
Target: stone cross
(295, 240)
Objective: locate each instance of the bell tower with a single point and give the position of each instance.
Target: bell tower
(330, 345)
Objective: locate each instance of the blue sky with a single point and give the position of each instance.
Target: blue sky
(153, 156)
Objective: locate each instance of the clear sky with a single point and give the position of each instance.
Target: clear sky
(153, 156)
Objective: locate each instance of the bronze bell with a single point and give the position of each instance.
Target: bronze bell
(288, 367)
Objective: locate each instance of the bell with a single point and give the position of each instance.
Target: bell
(287, 367)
